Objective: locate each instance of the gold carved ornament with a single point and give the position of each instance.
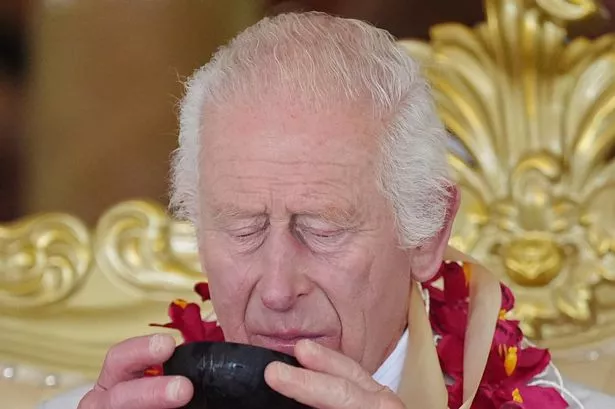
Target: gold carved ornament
(43, 260)
(142, 250)
(67, 293)
(535, 114)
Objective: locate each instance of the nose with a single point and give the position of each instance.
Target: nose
(283, 280)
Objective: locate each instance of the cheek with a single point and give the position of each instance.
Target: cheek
(363, 272)
(390, 276)
(345, 276)
(345, 280)
(368, 294)
(230, 285)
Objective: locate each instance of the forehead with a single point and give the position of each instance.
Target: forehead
(283, 125)
(279, 145)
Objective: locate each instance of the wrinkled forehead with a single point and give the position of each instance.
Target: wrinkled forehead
(320, 158)
(278, 129)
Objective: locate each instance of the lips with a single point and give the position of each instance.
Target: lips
(284, 341)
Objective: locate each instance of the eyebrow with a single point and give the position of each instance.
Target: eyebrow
(229, 211)
(343, 218)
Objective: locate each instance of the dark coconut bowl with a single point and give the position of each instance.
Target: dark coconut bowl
(226, 375)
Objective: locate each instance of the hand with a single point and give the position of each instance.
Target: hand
(121, 384)
(329, 380)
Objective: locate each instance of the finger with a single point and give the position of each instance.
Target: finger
(164, 392)
(319, 358)
(316, 389)
(128, 359)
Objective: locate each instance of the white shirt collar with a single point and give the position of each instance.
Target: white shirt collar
(389, 373)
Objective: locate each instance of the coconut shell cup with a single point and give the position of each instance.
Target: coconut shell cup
(227, 375)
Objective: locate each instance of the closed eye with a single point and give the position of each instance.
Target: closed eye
(321, 240)
(324, 234)
(249, 237)
(246, 235)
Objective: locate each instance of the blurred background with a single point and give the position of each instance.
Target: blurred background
(89, 88)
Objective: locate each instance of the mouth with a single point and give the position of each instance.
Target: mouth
(284, 342)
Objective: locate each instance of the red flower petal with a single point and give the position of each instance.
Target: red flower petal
(530, 363)
(495, 371)
(508, 298)
(450, 319)
(455, 283)
(155, 370)
(202, 289)
(450, 352)
(484, 400)
(435, 294)
(186, 318)
(213, 332)
(507, 332)
(530, 397)
(191, 325)
(455, 393)
(176, 310)
(539, 397)
(167, 325)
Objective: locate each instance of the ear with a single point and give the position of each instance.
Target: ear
(427, 258)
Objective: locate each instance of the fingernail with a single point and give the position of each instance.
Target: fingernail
(310, 346)
(158, 343)
(173, 390)
(283, 372)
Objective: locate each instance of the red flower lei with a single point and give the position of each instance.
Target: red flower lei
(510, 365)
(187, 319)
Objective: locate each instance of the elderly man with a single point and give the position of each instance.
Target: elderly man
(313, 164)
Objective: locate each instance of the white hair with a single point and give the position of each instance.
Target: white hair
(322, 60)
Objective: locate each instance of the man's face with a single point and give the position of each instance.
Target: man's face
(296, 238)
